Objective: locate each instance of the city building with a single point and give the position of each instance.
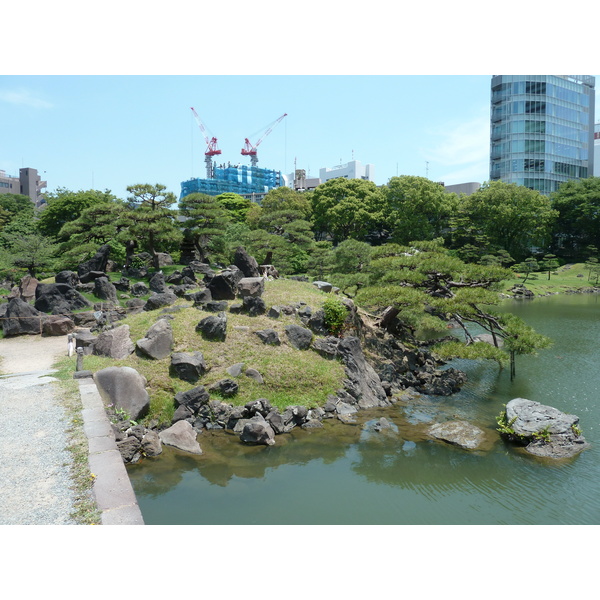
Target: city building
(542, 129)
(597, 150)
(247, 181)
(352, 170)
(28, 183)
(462, 188)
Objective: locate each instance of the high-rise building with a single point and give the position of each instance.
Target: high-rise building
(542, 129)
(28, 183)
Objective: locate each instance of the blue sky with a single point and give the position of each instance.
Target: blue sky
(109, 132)
(104, 102)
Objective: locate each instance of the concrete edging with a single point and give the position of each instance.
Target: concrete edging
(112, 488)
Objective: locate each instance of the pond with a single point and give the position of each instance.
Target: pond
(347, 474)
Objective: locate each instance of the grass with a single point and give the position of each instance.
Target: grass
(290, 376)
(562, 280)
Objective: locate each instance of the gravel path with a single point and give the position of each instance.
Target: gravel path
(35, 477)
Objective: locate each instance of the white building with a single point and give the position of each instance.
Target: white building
(352, 170)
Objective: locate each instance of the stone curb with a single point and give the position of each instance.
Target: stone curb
(112, 488)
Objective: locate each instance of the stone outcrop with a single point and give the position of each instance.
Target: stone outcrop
(58, 298)
(543, 430)
(125, 389)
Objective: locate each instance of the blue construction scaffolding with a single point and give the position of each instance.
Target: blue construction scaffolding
(247, 181)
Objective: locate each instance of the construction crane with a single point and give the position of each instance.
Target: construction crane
(250, 150)
(211, 147)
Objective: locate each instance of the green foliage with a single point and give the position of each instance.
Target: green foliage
(415, 208)
(335, 315)
(237, 206)
(33, 252)
(346, 208)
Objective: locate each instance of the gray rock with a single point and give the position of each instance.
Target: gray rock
(160, 300)
(258, 431)
(189, 366)
(130, 449)
(69, 277)
(181, 435)
(157, 283)
(200, 297)
(85, 340)
(251, 286)
(299, 337)
(114, 343)
(139, 289)
(245, 263)
(223, 286)
(225, 387)
(213, 328)
(193, 399)
(254, 374)
(323, 286)
(459, 433)
(105, 290)
(124, 388)
(269, 336)
(98, 262)
(274, 312)
(545, 431)
(58, 298)
(21, 318)
(158, 342)
(235, 370)
(90, 277)
(151, 444)
(54, 325)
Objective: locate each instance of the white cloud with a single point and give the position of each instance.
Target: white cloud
(23, 97)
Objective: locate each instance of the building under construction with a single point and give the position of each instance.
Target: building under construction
(247, 181)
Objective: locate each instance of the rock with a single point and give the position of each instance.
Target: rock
(323, 286)
(245, 263)
(158, 342)
(105, 290)
(157, 283)
(274, 312)
(85, 340)
(202, 268)
(251, 286)
(58, 298)
(213, 328)
(192, 399)
(215, 306)
(181, 435)
(225, 387)
(200, 297)
(299, 337)
(269, 336)
(316, 323)
(151, 444)
(235, 370)
(164, 259)
(488, 338)
(254, 374)
(253, 306)
(98, 262)
(55, 325)
(123, 285)
(258, 431)
(124, 388)
(459, 433)
(139, 289)
(26, 289)
(91, 276)
(130, 449)
(189, 366)
(157, 301)
(114, 343)
(225, 285)
(21, 318)
(545, 431)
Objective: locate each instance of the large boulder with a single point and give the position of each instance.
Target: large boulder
(181, 435)
(459, 433)
(57, 325)
(258, 430)
(245, 263)
(114, 343)
(543, 430)
(26, 289)
(21, 318)
(251, 286)
(125, 389)
(161, 300)
(58, 298)
(158, 342)
(98, 262)
(69, 277)
(157, 283)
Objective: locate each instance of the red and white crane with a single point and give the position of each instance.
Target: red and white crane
(251, 150)
(211, 147)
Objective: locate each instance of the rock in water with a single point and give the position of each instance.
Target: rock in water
(459, 433)
(181, 435)
(545, 431)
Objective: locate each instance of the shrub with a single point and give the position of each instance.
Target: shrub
(335, 315)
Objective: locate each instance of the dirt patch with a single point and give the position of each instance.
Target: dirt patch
(27, 353)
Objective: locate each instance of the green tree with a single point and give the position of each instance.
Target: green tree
(33, 252)
(511, 217)
(151, 224)
(529, 266)
(346, 208)
(549, 263)
(578, 223)
(422, 286)
(206, 219)
(236, 205)
(415, 208)
(64, 206)
(284, 198)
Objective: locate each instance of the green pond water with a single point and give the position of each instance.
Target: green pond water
(346, 474)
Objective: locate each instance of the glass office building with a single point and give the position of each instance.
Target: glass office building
(542, 129)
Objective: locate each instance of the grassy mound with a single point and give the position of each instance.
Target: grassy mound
(290, 376)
